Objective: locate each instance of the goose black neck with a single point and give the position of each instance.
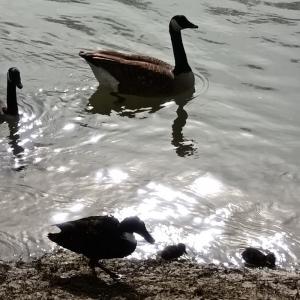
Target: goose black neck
(181, 63)
(12, 105)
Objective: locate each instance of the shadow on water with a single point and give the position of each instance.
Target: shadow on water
(13, 142)
(104, 102)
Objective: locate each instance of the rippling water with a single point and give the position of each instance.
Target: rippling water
(218, 170)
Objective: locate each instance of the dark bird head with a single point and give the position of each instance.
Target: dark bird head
(180, 22)
(134, 224)
(14, 77)
(270, 260)
(181, 248)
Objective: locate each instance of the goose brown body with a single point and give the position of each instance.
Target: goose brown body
(133, 74)
(144, 75)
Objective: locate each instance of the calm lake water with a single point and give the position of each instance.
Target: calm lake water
(217, 170)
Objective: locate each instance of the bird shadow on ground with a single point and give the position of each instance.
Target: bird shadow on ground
(93, 287)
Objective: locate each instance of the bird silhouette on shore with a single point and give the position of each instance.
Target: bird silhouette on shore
(101, 237)
(173, 251)
(255, 258)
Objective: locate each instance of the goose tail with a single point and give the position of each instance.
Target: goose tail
(54, 237)
(85, 54)
(82, 53)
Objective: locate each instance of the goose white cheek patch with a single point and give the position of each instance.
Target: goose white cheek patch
(175, 26)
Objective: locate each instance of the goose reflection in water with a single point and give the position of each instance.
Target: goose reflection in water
(104, 102)
(183, 146)
(14, 143)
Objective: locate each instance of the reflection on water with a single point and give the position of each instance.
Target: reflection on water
(183, 146)
(104, 102)
(217, 169)
(14, 142)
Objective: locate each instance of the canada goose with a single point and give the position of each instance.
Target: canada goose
(255, 258)
(101, 237)
(173, 251)
(143, 75)
(13, 81)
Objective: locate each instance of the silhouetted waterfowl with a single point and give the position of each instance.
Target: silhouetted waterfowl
(173, 251)
(13, 81)
(144, 75)
(101, 237)
(255, 258)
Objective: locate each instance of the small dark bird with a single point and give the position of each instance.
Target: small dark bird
(255, 258)
(13, 81)
(173, 251)
(101, 237)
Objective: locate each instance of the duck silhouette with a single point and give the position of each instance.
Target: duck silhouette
(173, 251)
(255, 258)
(101, 237)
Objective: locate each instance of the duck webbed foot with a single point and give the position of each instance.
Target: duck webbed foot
(93, 264)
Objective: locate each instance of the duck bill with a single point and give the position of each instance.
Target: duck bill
(148, 237)
(191, 25)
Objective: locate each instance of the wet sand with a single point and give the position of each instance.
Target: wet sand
(64, 275)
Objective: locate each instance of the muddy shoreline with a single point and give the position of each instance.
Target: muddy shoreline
(63, 275)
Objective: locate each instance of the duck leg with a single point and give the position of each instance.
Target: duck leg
(92, 265)
(95, 263)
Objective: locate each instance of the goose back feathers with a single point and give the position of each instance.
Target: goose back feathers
(145, 75)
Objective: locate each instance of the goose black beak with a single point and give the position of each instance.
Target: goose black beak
(148, 237)
(191, 25)
(19, 85)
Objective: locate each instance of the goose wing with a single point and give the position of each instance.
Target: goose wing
(135, 74)
(133, 57)
(87, 235)
(89, 225)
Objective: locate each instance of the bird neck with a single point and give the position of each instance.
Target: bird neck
(11, 99)
(181, 63)
(125, 228)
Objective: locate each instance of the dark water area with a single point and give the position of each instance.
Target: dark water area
(217, 170)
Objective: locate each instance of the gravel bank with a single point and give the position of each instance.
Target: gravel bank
(64, 275)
